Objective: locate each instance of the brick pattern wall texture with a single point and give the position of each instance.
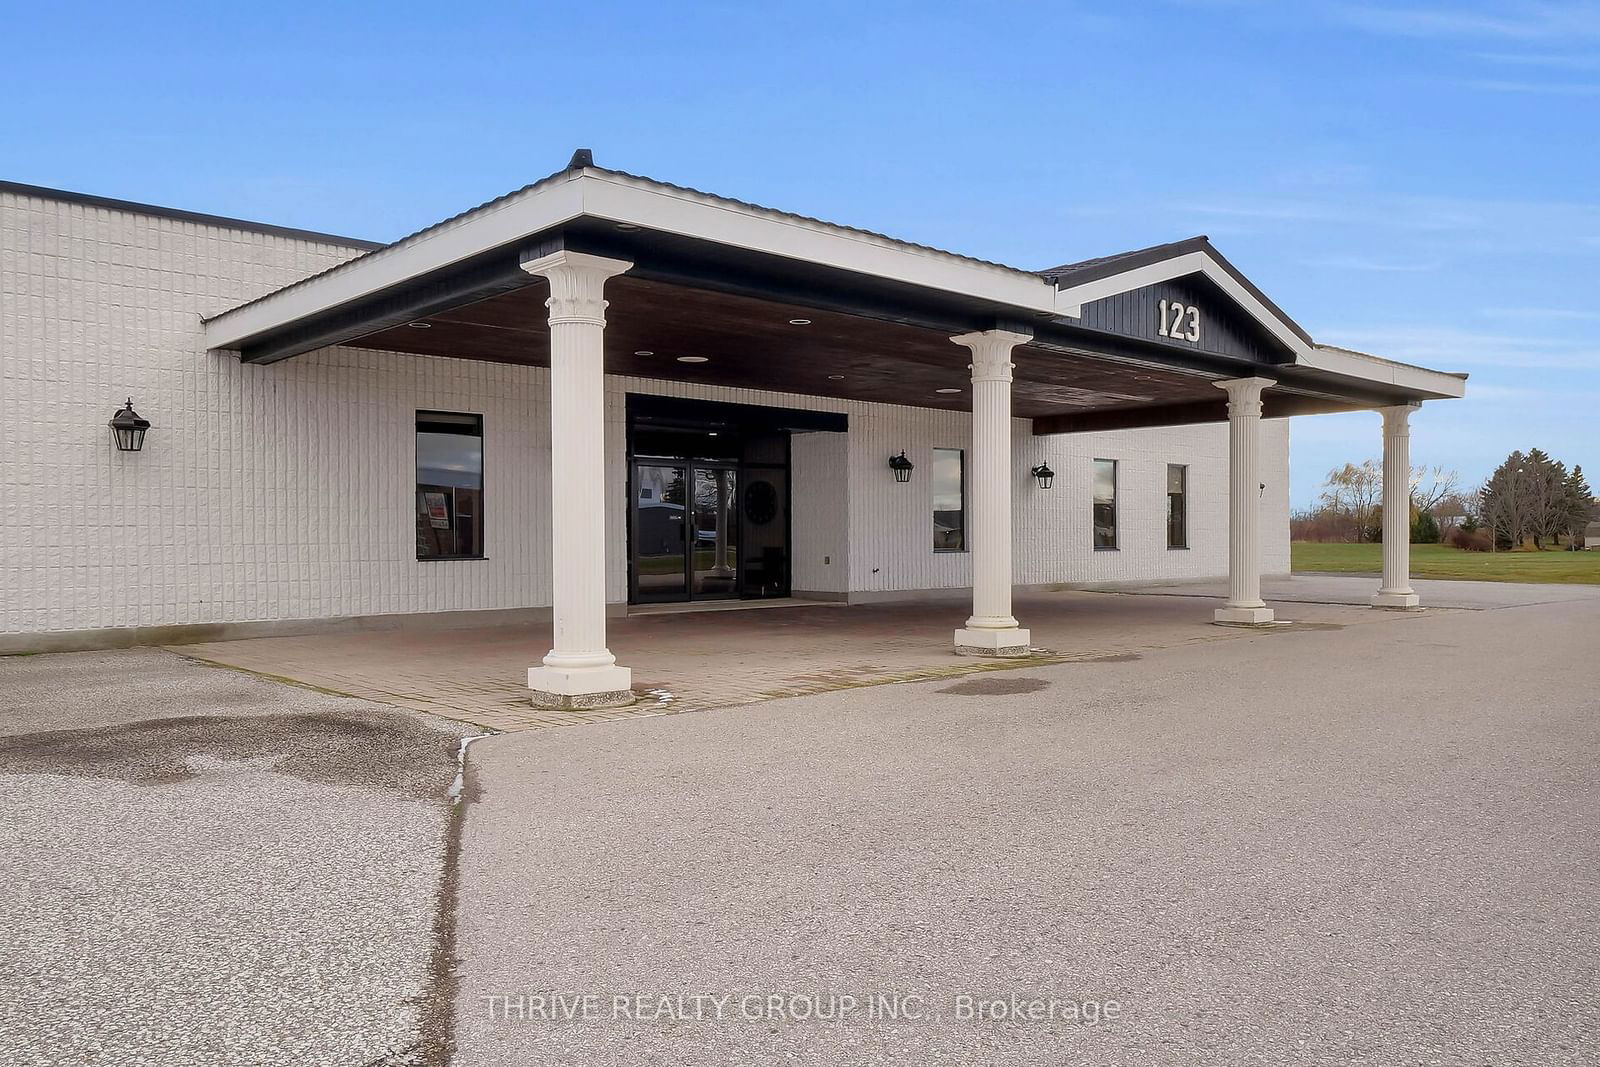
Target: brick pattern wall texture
(287, 491)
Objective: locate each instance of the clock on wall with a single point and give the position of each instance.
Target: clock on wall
(760, 503)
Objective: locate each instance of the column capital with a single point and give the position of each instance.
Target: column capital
(991, 352)
(1244, 395)
(1397, 417)
(577, 282)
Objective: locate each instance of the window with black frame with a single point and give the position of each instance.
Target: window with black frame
(1177, 505)
(1105, 503)
(949, 501)
(449, 485)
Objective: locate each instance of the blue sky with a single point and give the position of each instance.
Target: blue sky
(1419, 181)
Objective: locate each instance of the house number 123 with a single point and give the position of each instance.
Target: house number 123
(1180, 321)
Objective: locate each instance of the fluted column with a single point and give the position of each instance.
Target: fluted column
(1396, 589)
(579, 670)
(1244, 606)
(991, 631)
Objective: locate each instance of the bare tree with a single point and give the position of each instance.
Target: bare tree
(1431, 486)
(1353, 492)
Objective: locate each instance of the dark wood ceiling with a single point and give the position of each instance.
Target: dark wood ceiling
(751, 343)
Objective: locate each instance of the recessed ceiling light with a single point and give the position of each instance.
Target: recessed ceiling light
(627, 227)
(711, 433)
(644, 352)
(947, 390)
(835, 377)
(799, 322)
(419, 325)
(693, 359)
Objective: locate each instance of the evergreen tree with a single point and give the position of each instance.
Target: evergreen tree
(1503, 502)
(1578, 505)
(1425, 529)
(1547, 498)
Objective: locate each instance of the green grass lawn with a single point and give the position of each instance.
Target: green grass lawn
(1442, 561)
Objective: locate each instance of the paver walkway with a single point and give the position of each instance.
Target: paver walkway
(684, 662)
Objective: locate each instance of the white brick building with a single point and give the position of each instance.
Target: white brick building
(376, 440)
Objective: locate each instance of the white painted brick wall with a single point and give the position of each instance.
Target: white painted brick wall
(819, 492)
(286, 491)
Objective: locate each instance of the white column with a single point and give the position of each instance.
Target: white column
(991, 631)
(1244, 606)
(579, 671)
(1396, 589)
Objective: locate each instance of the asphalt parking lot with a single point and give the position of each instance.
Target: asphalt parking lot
(1327, 843)
(206, 868)
(1373, 844)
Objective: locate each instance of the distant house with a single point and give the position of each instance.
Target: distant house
(1591, 535)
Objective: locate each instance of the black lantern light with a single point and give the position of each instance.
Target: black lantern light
(128, 429)
(902, 467)
(1046, 476)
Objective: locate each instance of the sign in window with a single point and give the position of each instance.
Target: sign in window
(449, 485)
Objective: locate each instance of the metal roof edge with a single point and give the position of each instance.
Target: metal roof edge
(179, 215)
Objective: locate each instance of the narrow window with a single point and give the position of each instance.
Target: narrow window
(1105, 503)
(1177, 505)
(949, 502)
(449, 486)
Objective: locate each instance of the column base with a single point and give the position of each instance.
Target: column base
(1009, 643)
(1396, 601)
(1232, 616)
(581, 687)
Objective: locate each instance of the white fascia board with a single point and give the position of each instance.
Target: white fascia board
(537, 210)
(684, 212)
(1439, 385)
(649, 206)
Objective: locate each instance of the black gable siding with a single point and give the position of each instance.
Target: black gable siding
(1225, 329)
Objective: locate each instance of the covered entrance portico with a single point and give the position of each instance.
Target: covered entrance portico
(709, 497)
(597, 274)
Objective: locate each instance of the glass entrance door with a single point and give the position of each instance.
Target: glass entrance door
(685, 531)
(660, 531)
(716, 532)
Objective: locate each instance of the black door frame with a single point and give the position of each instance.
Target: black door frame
(690, 468)
(729, 419)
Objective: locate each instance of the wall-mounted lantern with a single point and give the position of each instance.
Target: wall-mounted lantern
(128, 429)
(1046, 476)
(902, 467)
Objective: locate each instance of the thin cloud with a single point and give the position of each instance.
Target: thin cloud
(1449, 348)
(1543, 314)
(1448, 223)
(1526, 22)
(1532, 88)
(1540, 59)
(1364, 263)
